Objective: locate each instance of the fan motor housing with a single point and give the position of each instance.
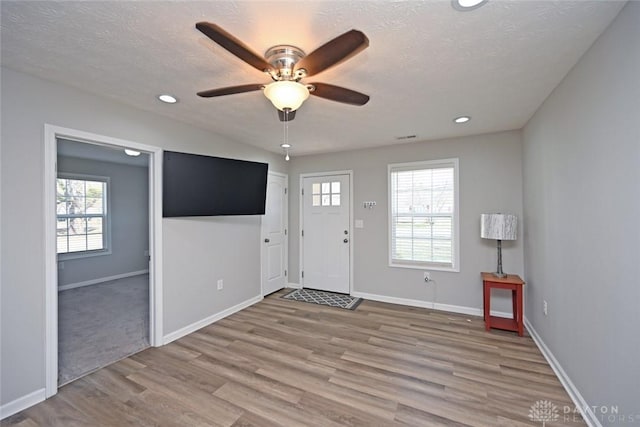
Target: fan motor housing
(283, 58)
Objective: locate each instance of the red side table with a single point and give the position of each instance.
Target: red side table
(514, 283)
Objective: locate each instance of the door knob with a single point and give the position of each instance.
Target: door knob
(267, 240)
(346, 240)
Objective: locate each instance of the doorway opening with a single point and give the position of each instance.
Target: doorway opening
(103, 252)
(102, 244)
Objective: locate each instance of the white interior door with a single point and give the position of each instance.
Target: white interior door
(326, 233)
(274, 230)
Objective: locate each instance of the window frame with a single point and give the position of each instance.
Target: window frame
(427, 164)
(106, 221)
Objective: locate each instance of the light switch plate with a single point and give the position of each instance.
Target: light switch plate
(359, 223)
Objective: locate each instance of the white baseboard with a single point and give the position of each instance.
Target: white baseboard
(100, 280)
(393, 300)
(294, 285)
(589, 416)
(428, 304)
(22, 403)
(209, 320)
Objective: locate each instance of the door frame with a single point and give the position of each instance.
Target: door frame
(286, 235)
(351, 238)
(51, 134)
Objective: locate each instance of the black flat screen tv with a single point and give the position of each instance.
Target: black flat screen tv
(195, 185)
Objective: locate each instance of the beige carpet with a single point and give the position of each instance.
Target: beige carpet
(101, 324)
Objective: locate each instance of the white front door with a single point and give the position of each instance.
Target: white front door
(326, 233)
(274, 229)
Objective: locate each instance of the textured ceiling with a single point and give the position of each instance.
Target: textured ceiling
(427, 63)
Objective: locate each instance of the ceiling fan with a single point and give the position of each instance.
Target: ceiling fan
(287, 65)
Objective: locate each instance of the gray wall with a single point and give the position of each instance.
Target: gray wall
(582, 205)
(226, 248)
(27, 104)
(129, 215)
(490, 181)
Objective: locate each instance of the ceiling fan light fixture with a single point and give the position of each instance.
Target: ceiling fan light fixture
(286, 94)
(467, 5)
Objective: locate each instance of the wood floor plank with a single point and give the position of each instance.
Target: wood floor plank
(381, 407)
(270, 407)
(415, 417)
(96, 404)
(53, 412)
(289, 363)
(249, 419)
(114, 384)
(258, 382)
(198, 401)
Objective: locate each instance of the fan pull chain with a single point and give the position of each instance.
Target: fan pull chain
(285, 144)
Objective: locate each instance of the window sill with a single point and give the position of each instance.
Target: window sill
(425, 267)
(78, 255)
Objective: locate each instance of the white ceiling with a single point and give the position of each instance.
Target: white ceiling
(426, 64)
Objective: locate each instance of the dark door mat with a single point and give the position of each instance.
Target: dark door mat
(324, 298)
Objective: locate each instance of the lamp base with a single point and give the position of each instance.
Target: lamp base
(499, 272)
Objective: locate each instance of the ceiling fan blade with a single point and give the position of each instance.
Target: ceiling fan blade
(339, 94)
(337, 50)
(233, 45)
(230, 90)
(286, 117)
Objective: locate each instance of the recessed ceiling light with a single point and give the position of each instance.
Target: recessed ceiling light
(285, 145)
(462, 119)
(132, 153)
(466, 5)
(168, 99)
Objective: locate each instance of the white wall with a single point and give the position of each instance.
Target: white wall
(582, 206)
(27, 104)
(490, 181)
(129, 219)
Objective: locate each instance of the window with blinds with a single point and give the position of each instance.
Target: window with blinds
(423, 215)
(81, 207)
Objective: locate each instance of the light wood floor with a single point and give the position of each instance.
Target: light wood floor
(284, 362)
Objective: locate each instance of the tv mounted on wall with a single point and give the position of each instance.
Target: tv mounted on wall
(195, 185)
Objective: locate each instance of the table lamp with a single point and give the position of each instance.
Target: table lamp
(499, 227)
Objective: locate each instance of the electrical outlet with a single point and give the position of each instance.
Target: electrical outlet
(220, 284)
(427, 276)
(545, 308)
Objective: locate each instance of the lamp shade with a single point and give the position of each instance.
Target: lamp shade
(286, 94)
(498, 226)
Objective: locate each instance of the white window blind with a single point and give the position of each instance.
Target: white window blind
(81, 207)
(423, 214)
